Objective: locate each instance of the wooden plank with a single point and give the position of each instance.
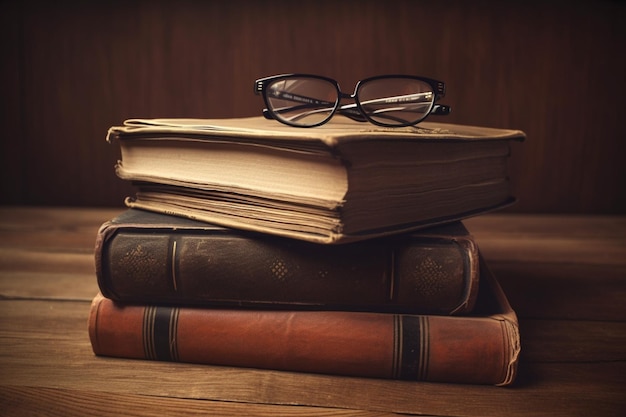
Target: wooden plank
(542, 340)
(573, 291)
(41, 217)
(563, 290)
(489, 225)
(568, 296)
(60, 240)
(548, 225)
(531, 238)
(47, 253)
(572, 341)
(48, 285)
(536, 290)
(69, 229)
(53, 260)
(45, 344)
(502, 237)
(35, 401)
(599, 240)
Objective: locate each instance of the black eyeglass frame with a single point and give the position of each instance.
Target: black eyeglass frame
(353, 110)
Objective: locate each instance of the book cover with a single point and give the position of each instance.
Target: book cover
(479, 349)
(340, 182)
(147, 257)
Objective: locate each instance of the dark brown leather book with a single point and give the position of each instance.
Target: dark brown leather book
(479, 349)
(146, 257)
(340, 182)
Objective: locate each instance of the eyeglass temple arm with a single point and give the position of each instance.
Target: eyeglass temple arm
(351, 111)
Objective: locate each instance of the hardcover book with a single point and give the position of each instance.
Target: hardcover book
(146, 257)
(481, 349)
(340, 182)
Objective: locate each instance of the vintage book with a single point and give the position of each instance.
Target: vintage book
(481, 349)
(146, 257)
(339, 182)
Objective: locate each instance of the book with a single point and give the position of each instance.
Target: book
(480, 349)
(340, 182)
(147, 257)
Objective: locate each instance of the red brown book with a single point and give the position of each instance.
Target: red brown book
(150, 258)
(479, 349)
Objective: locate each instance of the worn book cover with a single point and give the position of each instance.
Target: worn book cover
(146, 257)
(340, 182)
(482, 348)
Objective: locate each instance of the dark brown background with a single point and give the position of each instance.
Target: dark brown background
(70, 70)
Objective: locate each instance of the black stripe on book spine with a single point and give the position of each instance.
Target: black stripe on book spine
(164, 331)
(412, 352)
(160, 325)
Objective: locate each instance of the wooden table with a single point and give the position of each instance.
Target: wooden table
(564, 275)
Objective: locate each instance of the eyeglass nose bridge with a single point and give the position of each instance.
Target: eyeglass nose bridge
(345, 96)
(350, 110)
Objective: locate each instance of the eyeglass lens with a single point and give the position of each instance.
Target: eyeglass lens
(395, 101)
(302, 101)
(390, 101)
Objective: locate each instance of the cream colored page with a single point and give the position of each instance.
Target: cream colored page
(224, 166)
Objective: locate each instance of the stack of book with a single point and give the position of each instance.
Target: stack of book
(338, 249)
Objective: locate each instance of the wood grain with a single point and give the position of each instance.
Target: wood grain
(571, 309)
(28, 401)
(73, 69)
(50, 349)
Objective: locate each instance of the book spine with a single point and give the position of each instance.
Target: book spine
(412, 347)
(424, 275)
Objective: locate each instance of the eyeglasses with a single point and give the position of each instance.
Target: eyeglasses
(304, 100)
